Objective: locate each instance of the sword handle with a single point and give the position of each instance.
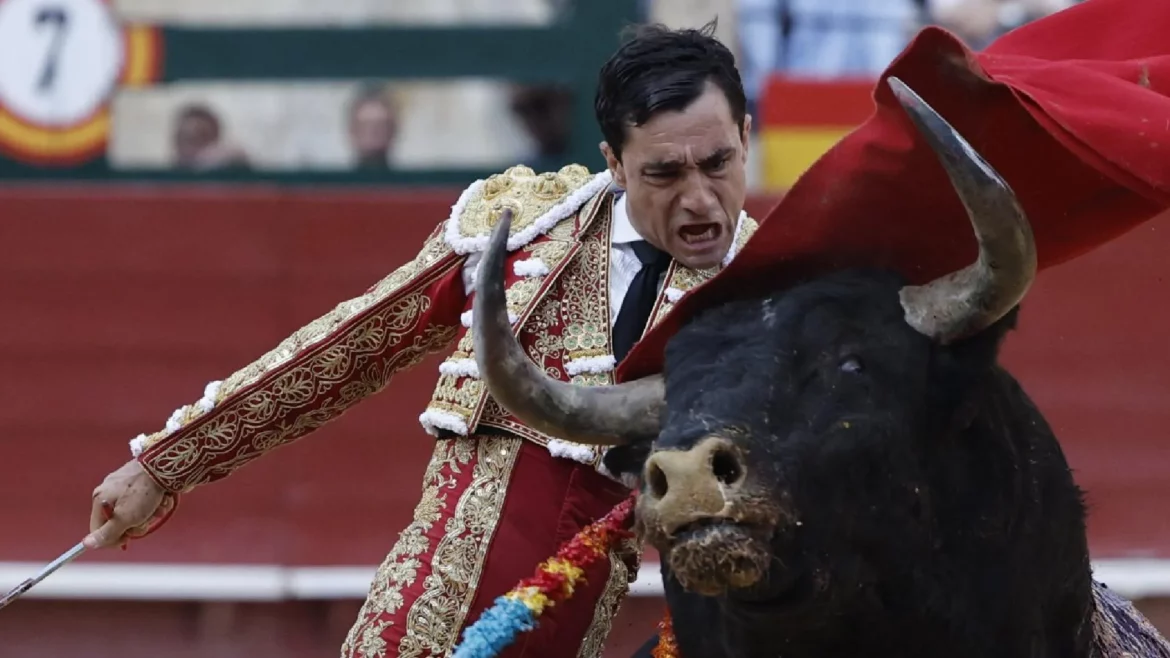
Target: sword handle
(166, 509)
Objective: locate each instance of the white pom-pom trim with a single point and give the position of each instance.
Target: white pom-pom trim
(731, 253)
(175, 421)
(457, 242)
(466, 318)
(591, 364)
(460, 368)
(202, 406)
(673, 294)
(576, 451)
(466, 244)
(207, 402)
(532, 267)
(434, 420)
(137, 445)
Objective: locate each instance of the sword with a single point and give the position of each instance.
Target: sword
(165, 509)
(67, 557)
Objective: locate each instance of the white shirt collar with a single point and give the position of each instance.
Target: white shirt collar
(623, 230)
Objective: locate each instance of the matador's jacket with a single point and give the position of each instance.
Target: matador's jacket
(461, 551)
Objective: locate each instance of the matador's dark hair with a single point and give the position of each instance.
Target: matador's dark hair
(659, 69)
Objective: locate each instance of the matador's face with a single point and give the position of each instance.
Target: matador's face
(685, 180)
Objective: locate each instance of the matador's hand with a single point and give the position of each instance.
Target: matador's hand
(128, 503)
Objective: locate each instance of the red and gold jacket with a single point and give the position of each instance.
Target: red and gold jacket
(557, 291)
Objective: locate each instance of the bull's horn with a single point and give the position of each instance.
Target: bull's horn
(965, 302)
(597, 415)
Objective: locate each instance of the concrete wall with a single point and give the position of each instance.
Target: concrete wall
(338, 12)
(297, 126)
(465, 123)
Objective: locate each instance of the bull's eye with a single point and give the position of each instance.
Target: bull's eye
(851, 364)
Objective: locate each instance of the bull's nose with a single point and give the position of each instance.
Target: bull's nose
(686, 485)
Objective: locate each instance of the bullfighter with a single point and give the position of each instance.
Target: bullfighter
(595, 259)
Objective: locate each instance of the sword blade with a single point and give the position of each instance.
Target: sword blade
(65, 558)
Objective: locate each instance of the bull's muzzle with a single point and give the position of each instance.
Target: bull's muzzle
(701, 509)
(687, 486)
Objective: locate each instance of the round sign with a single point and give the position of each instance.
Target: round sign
(59, 59)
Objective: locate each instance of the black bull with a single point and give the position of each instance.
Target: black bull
(842, 469)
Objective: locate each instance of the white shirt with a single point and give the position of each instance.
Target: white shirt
(623, 262)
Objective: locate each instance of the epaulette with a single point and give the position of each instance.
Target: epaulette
(538, 202)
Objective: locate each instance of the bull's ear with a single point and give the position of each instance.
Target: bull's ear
(627, 461)
(962, 365)
(982, 349)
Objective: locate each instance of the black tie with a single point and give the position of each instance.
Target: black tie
(640, 298)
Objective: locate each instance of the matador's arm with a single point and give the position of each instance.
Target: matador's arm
(314, 375)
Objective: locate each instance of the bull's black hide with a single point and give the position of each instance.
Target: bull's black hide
(925, 508)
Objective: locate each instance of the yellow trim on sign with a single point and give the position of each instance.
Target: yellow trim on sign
(141, 56)
(54, 142)
(789, 152)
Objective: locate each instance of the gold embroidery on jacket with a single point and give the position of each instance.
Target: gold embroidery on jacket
(586, 340)
(528, 194)
(256, 421)
(567, 322)
(467, 343)
(183, 465)
(436, 617)
(520, 293)
(607, 607)
(538, 293)
(545, 348)
(592, 379)
(584, 294)
(551, 251)
(540, 307)
(400, 569)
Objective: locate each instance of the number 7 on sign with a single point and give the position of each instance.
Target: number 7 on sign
(59, 20)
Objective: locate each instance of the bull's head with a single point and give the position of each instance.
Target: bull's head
(792, 424)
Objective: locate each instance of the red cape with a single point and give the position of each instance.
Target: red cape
(1073, 110)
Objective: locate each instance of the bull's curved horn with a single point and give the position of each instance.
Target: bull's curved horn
(597, 415)
(965, 302)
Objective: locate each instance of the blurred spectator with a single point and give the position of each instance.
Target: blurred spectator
(199, 144)
(859, 38)
(822, 38)
(695, 13)
(979, 22)
(546, 112)
(373, 126)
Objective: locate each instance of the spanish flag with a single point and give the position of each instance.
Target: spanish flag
(801, 119)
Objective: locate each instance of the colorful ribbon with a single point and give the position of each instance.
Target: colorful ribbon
(554, 581)
(667, 644)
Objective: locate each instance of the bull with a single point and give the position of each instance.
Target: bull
(841, 468)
